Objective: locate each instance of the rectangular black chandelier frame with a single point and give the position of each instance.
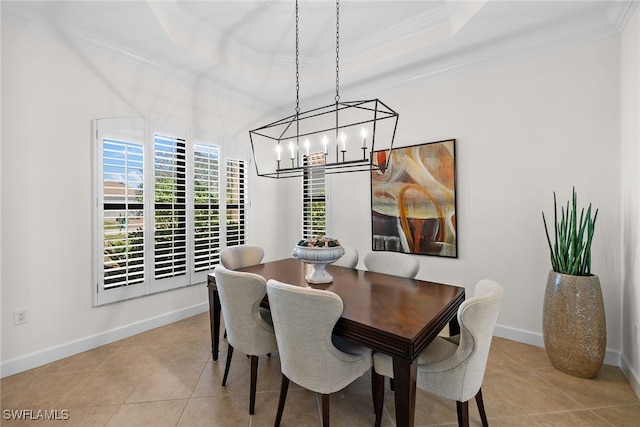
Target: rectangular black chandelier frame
(330, 130)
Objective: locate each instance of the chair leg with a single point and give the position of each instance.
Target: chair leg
(284, 386)
(325, 410)
(377, 390)
(463, 413)
(226, 366)
(254, 380)
(483, 414)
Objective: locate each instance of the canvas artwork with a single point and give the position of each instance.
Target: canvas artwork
(413, 201)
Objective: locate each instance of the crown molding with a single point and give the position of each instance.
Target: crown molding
(483, 57)
(93, 45)
(621, 12)
(390, 76)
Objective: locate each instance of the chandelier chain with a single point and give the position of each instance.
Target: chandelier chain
(337, 51)
(296, 145)
(297, 61)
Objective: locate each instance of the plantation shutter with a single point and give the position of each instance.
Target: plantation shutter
(158, 207)
(123, 213)
(235, 202)
(170, 222)
(120, 268)
(314, 214)
(206, 203)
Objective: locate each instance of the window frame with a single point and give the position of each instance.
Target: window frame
(142, 132)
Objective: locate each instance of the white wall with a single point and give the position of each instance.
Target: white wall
(630, 207)
(51, 92)
(523, 130)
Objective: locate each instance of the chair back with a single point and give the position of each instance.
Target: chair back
(394, 263)
(235, 257)
(240, 297)
(303, 319)
(349, 259)
(477, 317)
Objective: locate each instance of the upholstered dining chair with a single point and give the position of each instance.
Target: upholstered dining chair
(310, 356)
(394, 263)
(235, 257)
(249, 327)
(240, 256)
(349, 259)
(453, 367)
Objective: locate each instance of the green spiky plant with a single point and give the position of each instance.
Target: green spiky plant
(571, 249)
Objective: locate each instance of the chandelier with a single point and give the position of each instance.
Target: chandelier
(344, 136)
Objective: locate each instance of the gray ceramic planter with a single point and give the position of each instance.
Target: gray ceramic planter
(574, 325)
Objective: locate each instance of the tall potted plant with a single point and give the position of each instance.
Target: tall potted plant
(574, 326)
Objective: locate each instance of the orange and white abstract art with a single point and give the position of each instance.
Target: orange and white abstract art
(413, 200)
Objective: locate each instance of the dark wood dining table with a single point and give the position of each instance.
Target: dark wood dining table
(390, 314)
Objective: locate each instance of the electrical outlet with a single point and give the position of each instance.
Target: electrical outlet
(20, 316)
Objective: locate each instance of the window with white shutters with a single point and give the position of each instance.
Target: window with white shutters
(235, 202)
(158, 208)
(206, 171)
(123, 212)
(314, 206)
(170, 207)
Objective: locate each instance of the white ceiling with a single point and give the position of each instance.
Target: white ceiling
(247, 48)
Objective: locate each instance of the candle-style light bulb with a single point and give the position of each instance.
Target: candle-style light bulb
(306, 145)
(343, 138)
(278, 151)
(363, 132)
(325, 143)
(292, 148)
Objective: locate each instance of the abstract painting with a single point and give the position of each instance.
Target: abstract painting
(413, 200)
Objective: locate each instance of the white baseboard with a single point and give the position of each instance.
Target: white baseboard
(39, 358)
(611, 357)
(631, 374)
(33, 360)
(519, 335)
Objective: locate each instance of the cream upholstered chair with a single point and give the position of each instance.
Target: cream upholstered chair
(235, 257)
(394, 263)
(349, 259)
(310, 356)
(249, 327)
(453, 367)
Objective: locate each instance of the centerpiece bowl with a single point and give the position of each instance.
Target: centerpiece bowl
(320, 252)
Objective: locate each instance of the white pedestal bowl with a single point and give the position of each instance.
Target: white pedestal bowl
(319, 258)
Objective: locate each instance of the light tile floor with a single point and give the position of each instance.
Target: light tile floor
(166, 377)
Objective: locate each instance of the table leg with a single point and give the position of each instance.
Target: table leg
(214, 320)
(454, 326)
(404, 377)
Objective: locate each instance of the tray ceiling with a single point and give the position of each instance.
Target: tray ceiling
(247, 48)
